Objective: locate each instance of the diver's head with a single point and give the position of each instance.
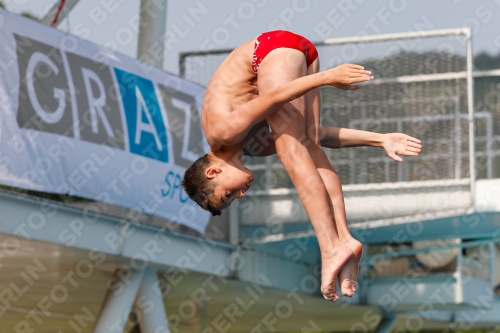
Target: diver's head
(214, 181)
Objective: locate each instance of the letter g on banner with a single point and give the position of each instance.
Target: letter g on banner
(48, 117)
(43, 93)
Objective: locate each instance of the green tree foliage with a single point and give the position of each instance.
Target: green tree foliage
(30, 16)
(484, 61)
(25, 14)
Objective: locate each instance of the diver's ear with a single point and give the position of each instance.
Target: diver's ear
(212, 171)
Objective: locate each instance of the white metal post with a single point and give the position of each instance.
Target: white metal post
(117, 306)
(68, 6)
(152, 24)
(400, 177)
(489, 146)
(470, 106)
(458, 139)
(149, 304)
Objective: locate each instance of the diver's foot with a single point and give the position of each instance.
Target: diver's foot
(349, 272)
(331, 264)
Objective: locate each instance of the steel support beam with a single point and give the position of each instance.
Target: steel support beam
(149, 304)
(152, 24)
(51, 221)
(480, 316)
(117, 305)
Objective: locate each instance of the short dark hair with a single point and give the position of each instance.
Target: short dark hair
(199, 188)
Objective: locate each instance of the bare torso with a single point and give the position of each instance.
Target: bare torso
(233, 84)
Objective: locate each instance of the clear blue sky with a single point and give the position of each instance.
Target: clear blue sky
(225, 24)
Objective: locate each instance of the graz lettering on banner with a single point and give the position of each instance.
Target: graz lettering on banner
(79, 119)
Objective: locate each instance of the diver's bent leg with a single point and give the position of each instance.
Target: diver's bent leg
(281, 66)
(348, 274)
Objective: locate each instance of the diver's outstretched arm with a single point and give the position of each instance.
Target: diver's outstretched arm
(393, 143)
(337, 137)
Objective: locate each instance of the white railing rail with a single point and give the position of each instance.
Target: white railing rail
(397, 36)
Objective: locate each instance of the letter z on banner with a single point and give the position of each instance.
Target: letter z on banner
(79, 119)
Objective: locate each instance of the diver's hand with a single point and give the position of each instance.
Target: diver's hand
(402, 144)
(345, 75)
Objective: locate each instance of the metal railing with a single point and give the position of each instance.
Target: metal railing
(461, 145)
(489, 270)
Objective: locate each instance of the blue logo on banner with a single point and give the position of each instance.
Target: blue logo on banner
(146, 130)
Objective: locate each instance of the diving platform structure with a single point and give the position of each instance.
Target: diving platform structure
(108, 264)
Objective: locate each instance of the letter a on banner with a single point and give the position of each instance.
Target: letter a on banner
(147, 125)
(146, 129)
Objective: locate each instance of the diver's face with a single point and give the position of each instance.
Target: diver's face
(233, 182)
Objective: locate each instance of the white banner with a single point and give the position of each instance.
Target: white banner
(81, 120)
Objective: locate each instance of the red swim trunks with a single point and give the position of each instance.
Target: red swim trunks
(268, 41)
